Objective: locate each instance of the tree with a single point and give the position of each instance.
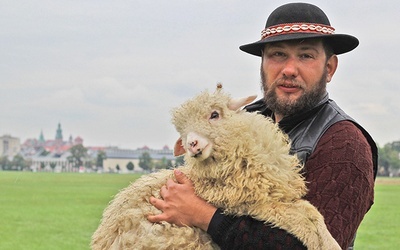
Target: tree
(164, 164)
(5, 163)
(89, 163)
(101, 156)
(18, 162)
(44, 152)
(130, 166)
(169, 164)
(78, 155)
(179, 161)
(28, 163)
(395, 146)
(145, 161)
(53, 165)
(389, 157)
(118, 168)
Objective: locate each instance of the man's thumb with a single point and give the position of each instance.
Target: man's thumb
(181, 178)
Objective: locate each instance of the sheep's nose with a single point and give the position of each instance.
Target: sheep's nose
(198, 146)
(193, 144)
(193, 147)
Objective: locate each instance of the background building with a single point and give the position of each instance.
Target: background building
(52, 154)
(122, 157)
(9, 146)
(59, 155)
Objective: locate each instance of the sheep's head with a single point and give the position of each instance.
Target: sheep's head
(198, 120)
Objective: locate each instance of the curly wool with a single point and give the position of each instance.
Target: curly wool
(249, 172)
(124, 224)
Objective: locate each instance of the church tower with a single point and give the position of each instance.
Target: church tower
(59, 136)
(41, 138)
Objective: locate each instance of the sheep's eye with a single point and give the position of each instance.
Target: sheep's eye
(214, 115)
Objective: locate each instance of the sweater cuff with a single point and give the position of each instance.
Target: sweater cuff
(219, 225)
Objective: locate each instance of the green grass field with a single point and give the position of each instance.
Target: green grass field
(61, 211)
(53, 211)
(380, 228)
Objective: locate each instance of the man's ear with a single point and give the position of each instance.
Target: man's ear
(331, 66)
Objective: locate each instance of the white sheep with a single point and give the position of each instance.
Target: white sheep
(238, 161)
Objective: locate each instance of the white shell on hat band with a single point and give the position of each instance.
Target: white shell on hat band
(296, 28)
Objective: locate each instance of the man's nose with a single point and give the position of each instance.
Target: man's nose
(290, 68)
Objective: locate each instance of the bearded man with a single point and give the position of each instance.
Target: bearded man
(298, 51)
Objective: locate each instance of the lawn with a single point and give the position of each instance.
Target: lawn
(61, 211)
(380, 228)
(53, 211)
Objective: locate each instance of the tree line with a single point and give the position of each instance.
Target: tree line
(79, 157)
(388, 160)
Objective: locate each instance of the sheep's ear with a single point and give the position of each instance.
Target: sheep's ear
(235, 104)
(178, 148)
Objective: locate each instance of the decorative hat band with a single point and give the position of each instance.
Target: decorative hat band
(291, 28)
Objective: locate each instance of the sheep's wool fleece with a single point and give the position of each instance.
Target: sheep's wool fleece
(249, 172)
(124, 225)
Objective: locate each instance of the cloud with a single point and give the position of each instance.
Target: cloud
(110, 71)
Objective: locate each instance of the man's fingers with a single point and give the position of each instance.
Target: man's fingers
(181, 178)
(169, 183)
(157, 203)
(163, 191)
(155, 218)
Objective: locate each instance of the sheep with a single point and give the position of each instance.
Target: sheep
(238, 161)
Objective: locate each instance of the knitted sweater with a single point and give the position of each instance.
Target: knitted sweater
(340, 183)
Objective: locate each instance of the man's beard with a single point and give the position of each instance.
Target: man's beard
(308, 100)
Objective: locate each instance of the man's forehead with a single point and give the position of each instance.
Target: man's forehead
(310, 42)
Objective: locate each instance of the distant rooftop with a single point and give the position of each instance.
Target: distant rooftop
(156, 154)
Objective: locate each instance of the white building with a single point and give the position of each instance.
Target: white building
(122, 157)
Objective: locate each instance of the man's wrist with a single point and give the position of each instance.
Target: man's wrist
(204, 216)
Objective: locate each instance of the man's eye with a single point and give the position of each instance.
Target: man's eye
(306, 56)
(278, 54)
(214, 115)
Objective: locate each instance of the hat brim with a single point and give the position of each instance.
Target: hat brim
(340, 43)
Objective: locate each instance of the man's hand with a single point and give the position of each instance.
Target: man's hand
(180, 205)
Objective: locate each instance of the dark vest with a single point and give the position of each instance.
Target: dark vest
(305, 129)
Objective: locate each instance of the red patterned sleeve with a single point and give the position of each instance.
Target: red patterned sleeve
(340, 180)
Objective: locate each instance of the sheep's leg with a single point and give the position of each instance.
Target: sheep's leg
(302, 220)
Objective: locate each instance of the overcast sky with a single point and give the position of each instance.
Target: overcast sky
(110, 71)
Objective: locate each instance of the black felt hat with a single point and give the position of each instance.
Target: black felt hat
(300, 21)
